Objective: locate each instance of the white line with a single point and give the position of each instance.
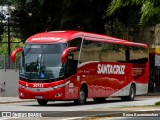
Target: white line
(73, 118)
(95, 115)
(149, 110)
(5, 118)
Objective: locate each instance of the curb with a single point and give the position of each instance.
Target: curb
(9, 100)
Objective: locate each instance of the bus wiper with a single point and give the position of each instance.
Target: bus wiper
(37, 66)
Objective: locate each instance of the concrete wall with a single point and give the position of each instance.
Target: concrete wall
(143, 34)
(9, 82)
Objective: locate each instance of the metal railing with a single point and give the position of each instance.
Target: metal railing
(6, 63)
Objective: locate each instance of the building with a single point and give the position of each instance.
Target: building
(151, 36)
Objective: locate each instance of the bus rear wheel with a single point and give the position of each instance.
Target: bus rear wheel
(131, 96)
(82, 97)
(42, 102)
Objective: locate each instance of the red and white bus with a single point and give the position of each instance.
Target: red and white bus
(74, 65)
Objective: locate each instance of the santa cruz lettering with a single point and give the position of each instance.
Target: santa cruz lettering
(111, 69)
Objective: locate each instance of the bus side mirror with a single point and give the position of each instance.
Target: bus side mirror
(13, 55)
(65, 53)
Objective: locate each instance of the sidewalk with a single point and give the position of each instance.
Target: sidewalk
(5, 100)
(152, 94)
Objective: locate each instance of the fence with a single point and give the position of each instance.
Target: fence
(9, 76)
(6, 63)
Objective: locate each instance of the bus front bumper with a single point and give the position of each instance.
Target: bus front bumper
(41, 93)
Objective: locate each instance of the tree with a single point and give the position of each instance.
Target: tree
(85, 15)
(33, 16)
(1, 25)
(148, 9)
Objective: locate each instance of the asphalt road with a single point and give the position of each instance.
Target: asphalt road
(68, 110)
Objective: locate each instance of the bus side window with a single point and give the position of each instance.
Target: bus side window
(90, 51)
(75, 43)
(72, 59)
(138, 55)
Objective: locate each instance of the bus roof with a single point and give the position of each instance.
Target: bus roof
(65, 36)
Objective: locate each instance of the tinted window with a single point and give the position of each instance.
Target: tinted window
(106, 52)
(98, 51)
(138, 55)
(113, 53)
(75, 43)
(43, 59)
(73, 56)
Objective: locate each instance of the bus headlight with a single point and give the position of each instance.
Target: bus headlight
(21, 86)
(61, 85)
(58, 86)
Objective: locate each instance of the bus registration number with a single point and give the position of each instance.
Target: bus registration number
(38, 85)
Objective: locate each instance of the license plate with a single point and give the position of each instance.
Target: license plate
(39, 97)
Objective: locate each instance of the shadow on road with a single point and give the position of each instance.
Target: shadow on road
(71, 103)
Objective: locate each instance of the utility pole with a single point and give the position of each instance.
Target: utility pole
(9, 39)
(9, 42)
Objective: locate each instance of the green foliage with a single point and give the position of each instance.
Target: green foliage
(100, 16)
(117, 4)
(86, 15)
(149, 9)
(150, 12)
(33, 16)
(157, 103)
(4, 45)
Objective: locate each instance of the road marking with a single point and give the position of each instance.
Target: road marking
(150, 110)
(3, 118)
(73, 118)
(95, 115)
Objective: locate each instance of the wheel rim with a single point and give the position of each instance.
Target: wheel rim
(82, 96)
(132, 93)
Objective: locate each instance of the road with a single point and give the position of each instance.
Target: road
(70, 110)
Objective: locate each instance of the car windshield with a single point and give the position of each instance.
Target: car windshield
(42, 61)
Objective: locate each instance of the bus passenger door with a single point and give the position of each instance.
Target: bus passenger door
(71, 65)
(71, 68)
(71, 74)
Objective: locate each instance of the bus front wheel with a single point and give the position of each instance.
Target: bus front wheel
(82, 97)
(42, 102)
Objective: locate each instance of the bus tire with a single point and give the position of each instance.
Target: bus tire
(42, 102)
(131, 96)
(82, 97)
(99, 100)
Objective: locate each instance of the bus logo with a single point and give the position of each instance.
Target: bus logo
(45, 38)
(111, 69)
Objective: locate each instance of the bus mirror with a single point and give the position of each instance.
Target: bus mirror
(13, 55)
(65, 53)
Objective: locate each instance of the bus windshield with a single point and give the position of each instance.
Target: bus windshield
(42, 62)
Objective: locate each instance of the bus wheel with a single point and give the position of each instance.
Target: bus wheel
(82, 97)
(42, 102)
(131, 96)
(98, 100)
